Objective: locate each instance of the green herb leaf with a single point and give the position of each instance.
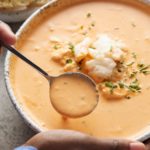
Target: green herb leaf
(71, 47)
(134, 55)
(111, 85)
(135, 81)
(146, 72)
(133, 74)
(56, 47)
(121, 85)
(140, 66)
(143, 69)
(69, 61)
(88, 15)
(93, 24)
(134, 86)
(81, 27)
(130, 64)
(127, 97)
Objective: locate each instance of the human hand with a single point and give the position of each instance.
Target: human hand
(6, 34)
(72, 140)
(147, 143)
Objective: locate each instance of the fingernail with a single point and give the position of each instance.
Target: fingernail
(137, 146)
(26, 148)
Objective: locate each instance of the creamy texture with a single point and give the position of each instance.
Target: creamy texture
(68, 96)
(120, 118)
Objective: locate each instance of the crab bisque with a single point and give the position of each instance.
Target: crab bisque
(107, 40)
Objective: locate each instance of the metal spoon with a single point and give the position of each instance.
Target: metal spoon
(81, 110)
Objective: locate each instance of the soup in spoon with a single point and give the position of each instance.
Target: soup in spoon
(73, 96)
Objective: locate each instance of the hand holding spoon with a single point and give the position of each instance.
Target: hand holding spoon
(71, 94)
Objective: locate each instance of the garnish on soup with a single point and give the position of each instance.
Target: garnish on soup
(114, 68)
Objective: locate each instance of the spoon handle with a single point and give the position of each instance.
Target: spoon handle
(14, 51)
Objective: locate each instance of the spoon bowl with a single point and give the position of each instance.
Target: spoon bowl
(68, 94)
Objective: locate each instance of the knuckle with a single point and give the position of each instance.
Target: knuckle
(120, 145)
(115, 145)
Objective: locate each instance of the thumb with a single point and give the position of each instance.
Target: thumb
(6, 34)
(117, 144)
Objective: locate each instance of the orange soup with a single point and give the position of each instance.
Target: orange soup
(89, 25)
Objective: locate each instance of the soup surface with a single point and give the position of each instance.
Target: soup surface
(128, 22)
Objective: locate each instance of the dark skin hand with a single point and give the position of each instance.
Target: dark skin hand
(67, 139)
(73, 140)
(147, 143)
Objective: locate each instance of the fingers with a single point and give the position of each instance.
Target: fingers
(57, 140)
(6, 34)
(70, 140)
(137, 146)
(147, 143)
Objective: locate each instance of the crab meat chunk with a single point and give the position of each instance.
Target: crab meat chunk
(105, 46)
(81, 49)
(102, 67)
(117, 54)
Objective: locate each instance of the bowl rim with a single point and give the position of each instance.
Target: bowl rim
(27, 119)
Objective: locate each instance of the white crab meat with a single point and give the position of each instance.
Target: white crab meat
(105, 46)
(81, 49)
(117, 54)
(102, 67)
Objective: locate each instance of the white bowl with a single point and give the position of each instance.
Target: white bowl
(53, 6)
